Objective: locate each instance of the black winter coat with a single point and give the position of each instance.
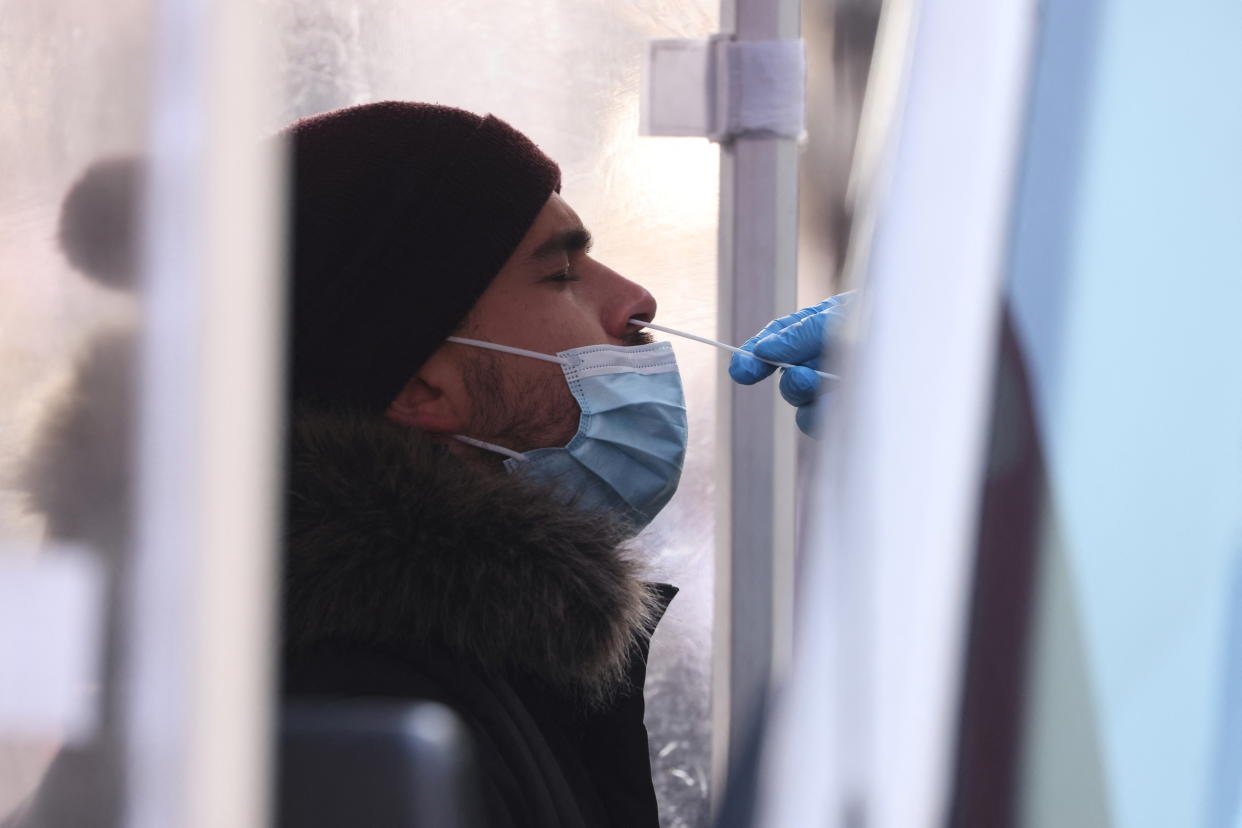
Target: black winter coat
(412, 575)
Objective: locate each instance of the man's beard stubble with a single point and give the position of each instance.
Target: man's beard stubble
(524, 414)
(521, 414)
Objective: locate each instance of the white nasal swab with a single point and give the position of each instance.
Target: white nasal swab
(725, 347)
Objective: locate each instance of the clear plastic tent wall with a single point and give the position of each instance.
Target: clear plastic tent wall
(567, 73)
(74, 81)
(77, 89)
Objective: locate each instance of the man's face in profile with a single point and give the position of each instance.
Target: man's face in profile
(550, 296)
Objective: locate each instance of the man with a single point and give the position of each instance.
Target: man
(458, 503)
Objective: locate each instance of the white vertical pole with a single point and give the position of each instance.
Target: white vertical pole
(758, 282)
(200, 646)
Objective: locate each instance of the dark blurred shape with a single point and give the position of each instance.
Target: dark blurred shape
(375, 763)
(741, 795)
(1007, 564)
(100, 219)
(77, 475)
(840, 40)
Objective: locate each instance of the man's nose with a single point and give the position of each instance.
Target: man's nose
(627, 300)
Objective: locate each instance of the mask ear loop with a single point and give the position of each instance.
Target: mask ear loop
(507, 349)
(510, 453)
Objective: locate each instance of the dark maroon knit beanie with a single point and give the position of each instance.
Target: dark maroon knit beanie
(402, 214)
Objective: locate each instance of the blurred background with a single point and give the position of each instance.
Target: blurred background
(1010, 588)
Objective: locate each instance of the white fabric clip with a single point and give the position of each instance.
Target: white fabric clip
(763, 89)
(722, 88)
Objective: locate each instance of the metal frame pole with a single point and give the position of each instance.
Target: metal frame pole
(755, 529)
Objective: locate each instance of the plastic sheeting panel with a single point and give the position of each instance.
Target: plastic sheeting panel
(76, 90)
(73, 90)
(566, 72)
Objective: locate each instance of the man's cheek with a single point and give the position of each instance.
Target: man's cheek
(553, 412)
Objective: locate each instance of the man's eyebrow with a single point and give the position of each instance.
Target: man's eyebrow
(566, 241)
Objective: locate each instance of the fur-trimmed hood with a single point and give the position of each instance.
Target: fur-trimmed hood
(392, 541)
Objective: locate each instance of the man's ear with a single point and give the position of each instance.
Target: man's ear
(426, 407)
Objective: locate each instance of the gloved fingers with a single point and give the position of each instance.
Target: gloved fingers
(780, 324)
(807, 418)
(746, 370)
(798, 315)
(800, 386)
(802, 342)
(841, 300)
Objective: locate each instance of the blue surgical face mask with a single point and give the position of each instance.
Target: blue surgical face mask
(631, 442)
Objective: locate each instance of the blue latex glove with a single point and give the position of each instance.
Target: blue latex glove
(798, 339)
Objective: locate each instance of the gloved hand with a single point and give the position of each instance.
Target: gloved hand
(798, 339)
